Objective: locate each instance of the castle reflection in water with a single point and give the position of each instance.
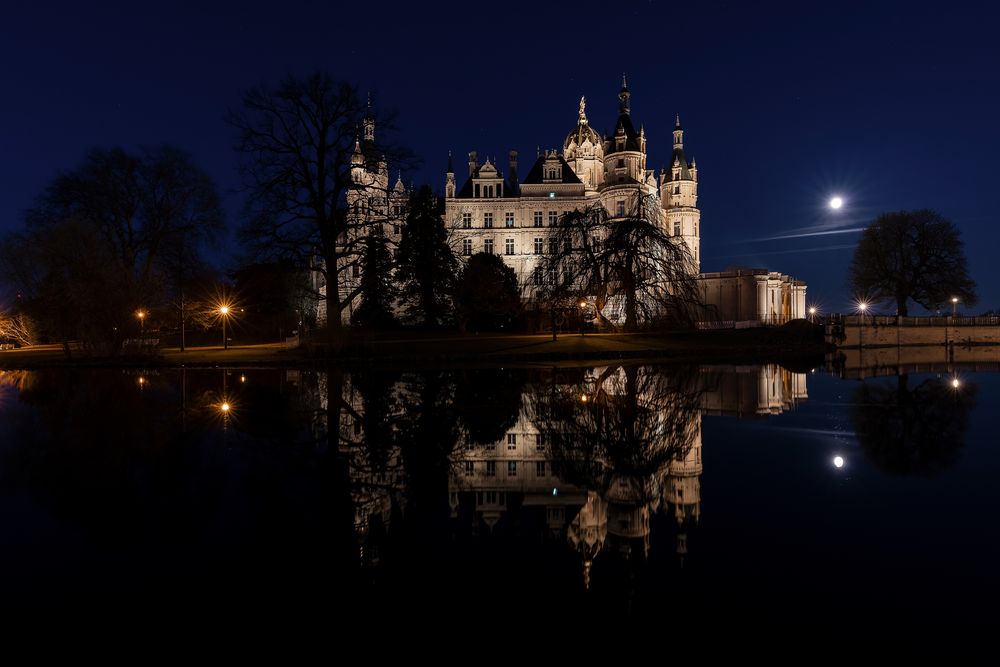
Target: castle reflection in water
(589, 456)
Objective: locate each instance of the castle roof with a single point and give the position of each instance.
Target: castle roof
(536, 176)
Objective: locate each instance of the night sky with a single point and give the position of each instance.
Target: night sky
(890, 105)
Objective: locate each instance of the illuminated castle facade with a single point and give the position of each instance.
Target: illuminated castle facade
(498, 213)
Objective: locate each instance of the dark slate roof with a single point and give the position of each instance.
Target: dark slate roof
(535, 175)
(581, 133)
(679, 156)
(631, 136)
(467, 190)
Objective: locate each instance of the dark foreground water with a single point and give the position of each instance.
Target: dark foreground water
(502, 496)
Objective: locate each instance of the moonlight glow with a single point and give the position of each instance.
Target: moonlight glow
(836, 202)
(838, 461)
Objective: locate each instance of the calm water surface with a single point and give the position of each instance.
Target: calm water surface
(730, 493)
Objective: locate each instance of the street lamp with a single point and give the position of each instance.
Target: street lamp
(954, 306)
(583, 308)
(862, 307)
(224, 311)
(812, 314)
(141, 314)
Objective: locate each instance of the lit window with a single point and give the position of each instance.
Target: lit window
(487, 220)
(466, 221)
(508, 219)
(488, 246)
(538, 246)
(509, 247)
(511, 468)
(553, 218)
(467, 247)
(538, 218)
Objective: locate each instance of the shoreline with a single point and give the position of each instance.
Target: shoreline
(413, 350)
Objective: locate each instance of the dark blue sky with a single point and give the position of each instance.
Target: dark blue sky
(891, 105)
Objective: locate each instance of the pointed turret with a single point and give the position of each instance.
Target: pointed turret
(623, 97)
(369, 121)
(449, 179)
(399, 188)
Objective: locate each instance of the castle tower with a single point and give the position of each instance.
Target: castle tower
(583, 150)
(626, 180)
(369, 122)
(449, 180)
(679, 198)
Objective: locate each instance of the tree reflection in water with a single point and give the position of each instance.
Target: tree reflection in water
(918, 431)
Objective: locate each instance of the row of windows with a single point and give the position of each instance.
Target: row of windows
(508, 219)
(540, 441)
(491, 468)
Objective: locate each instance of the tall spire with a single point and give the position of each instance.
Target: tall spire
(678, 124)
(623, 97)
(369, 121)
(583, 112)
(451, 169)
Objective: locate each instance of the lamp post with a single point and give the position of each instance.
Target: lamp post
(954, 306)
(583, 309)
(224, 311)
(142, 322)
(862, 307)
(812, 314)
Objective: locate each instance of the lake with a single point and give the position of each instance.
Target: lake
(678, 493)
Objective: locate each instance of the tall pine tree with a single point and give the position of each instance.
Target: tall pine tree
(426, 264)
(378, 289)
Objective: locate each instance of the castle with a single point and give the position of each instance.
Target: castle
(495, 212)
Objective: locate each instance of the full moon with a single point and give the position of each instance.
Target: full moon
(838, 461)
(836, 203)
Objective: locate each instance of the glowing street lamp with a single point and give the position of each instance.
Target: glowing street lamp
(224, 311)
(141, 314)
(862, 307)
(812, 313)
(954, 306)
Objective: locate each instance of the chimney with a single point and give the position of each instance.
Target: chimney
(512, 164)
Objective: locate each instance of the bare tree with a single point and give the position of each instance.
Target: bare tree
(302, 159)
(17, 328)
(626, 265)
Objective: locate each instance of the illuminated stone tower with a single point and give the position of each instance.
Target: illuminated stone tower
(679, 196)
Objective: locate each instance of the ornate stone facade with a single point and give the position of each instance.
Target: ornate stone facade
(498, 213)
